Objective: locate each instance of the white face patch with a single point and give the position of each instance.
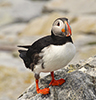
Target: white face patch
(57, 27)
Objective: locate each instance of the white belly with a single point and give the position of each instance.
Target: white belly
(56, 57)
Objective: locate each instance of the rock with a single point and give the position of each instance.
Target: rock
(79, 85)
(87, 66)
(19, 11)
(44, 23)
(80, 24)
(8, 60)
(9, 34)
(40, 26)
(11, 31)
(71, 7)
(24, 10)
(84, 25)
(87, 51)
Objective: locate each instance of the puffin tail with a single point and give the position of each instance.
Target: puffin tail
(23, 55)
(26, 46)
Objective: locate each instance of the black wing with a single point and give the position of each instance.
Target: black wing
(37, 46)
(31, 55)
(24, 56)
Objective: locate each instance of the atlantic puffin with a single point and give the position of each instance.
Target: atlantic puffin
(50, 53)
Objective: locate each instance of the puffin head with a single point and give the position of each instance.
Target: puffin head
(61, 27)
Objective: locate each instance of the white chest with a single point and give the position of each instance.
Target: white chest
(56, 57)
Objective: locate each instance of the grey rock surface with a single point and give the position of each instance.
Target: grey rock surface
(79, 85)
(12, 11)
(71, 7)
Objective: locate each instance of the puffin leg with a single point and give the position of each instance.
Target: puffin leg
(56, 82)
(42, 91)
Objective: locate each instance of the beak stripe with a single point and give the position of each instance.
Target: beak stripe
(69, 29)
(65, 28)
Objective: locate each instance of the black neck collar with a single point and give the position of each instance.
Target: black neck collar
(60, 40)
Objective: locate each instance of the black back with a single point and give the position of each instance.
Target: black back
(31, 56)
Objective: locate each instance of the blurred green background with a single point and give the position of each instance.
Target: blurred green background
(24, 21)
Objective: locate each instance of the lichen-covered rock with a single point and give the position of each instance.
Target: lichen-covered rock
(79, 85)
(87, 66)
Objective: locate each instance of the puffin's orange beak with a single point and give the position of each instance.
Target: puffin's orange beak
(67, 29)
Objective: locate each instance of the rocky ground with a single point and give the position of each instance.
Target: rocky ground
(80, 83)
(22, 22)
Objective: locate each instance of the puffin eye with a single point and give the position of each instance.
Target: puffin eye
(58, 24)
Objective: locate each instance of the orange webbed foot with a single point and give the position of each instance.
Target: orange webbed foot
(57, 82)
(43, 91)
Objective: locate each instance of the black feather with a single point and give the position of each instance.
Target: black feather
(26, 46)
(31, 55)
(22, 53)
(24, 57)
(37, 46)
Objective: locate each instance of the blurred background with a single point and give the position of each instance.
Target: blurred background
(24, 21)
